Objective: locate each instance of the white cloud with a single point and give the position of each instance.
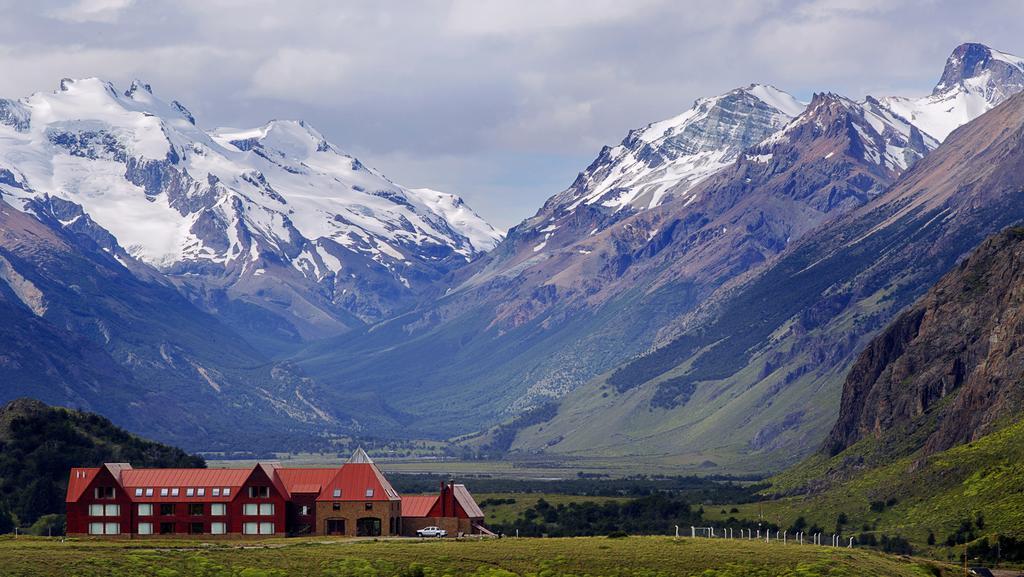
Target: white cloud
(106, 11)
(487, 17)
(301, 75)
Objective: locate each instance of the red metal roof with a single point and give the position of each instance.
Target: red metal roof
(418, 505)
(79, 482)
(183, 479)
(299, 480)
(355, 480)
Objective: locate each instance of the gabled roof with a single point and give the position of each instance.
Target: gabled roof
(360, 456)
(418, 505)
(359, 482)
(300, 480)
(467, 502)
(79, 481)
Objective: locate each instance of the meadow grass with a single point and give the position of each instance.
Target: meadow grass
(316, 557)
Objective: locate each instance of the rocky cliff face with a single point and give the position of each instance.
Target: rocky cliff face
(950, 369)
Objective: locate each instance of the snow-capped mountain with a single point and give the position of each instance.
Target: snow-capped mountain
(274, 216)
(975, 80)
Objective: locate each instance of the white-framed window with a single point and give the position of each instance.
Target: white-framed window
(251, 528)
(104, 528)
(164, 492)
(227, 491)
(218, 509)
(190, 491)
(145, 528)
(149, 491)
(250, 509)
(304, 510)
(218, 528)
(138, 491)
(201, 491)
(266, 528)
(369, 493)
(174, 492)
(266, 508)
(145, 509)
(112, 510)
(337, 493)
(215, 491)
(95, 510)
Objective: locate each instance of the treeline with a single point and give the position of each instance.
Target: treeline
(712, 489)
(40, 444)
(656, 514)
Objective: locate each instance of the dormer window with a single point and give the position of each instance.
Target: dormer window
(149, 491)
(174, 492)
(369, 493)
(138, 492)
(215, 491)
(227, 491)
(103, 492)
(164, 492)
(190, 492)
(337, 493)
(201, 491)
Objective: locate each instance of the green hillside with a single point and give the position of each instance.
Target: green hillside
(39, 445)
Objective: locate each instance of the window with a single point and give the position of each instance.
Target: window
(227, 491)
(145, 528)
(195, 528)
(201, 491)
(250, 509)
(215, 491)
(112, 529)
(112, 510)
(103, 492)
(95, 510)
(138, 492)
(167, 509)
(266, 528)
(218, 528)
(145, 509)
(195, 509)
(174, 492)
(190, 492)
(95, 528)
(218, 509)
(337, 493)
(369, 506)
(149, 491)
(164, 492)
(304, 510)
(266, 508)
(336, 506)
(166, 528)
(259, 492)
(250, 528)
(369, 493)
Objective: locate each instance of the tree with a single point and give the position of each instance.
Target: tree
(6, 522)
(931, 538)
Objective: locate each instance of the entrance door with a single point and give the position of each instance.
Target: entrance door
(368, 527)
(335, 526)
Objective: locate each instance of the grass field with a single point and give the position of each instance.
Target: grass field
(313, 557)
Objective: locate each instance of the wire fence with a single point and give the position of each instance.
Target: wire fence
(768, 536)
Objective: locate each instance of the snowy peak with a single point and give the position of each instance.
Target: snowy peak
(233, 204)
(975, 80)
(972, 61)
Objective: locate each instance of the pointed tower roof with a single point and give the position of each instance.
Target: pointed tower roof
(360, 456)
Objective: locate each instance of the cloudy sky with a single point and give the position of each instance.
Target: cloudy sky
(502, 102)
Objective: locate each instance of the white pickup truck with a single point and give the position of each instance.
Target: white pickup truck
(432, 532)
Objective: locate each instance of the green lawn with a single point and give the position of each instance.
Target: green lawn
(315, 557)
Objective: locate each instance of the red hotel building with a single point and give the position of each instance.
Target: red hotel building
(355, 499)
